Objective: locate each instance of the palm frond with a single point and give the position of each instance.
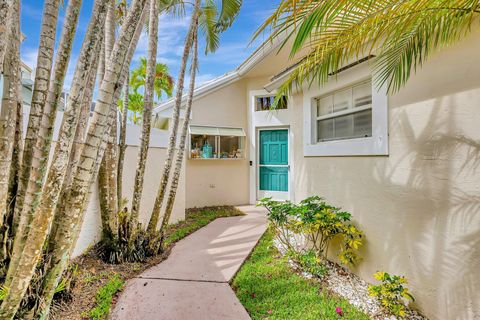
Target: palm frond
(402, 34)
(228, 13)
(207, 23)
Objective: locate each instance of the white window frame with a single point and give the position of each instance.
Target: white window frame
(376, 145)
(267, 95)
(242, 143)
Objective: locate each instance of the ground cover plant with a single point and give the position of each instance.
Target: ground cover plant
(104, 298)
(93, 273)
(269, 288)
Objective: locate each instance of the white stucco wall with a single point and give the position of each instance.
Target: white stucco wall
(92, 227)
(420, 205)
(219, 182)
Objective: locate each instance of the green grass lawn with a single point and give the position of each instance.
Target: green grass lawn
(269, 289)
(196, 219)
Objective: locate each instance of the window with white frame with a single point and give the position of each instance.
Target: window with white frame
(345, 113)
(347, 116)
(266, 103)
(216, 142)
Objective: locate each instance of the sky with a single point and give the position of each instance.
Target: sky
(234, 47)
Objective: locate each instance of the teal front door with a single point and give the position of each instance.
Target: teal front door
(273, 163)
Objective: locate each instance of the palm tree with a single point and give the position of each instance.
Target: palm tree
(5, 16)
(107, 174)
(212, 23)
(163, 84)
(24, 261)
(401, 34)
(183, 138)
(122, 144)
(163, 81)
(149, 85)
(96, 140)
(39, 98)
(9, 104)
(42, 145)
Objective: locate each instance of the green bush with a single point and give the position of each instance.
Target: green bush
(391, 293)
(309, 262)
(318, 222)
(104, 298)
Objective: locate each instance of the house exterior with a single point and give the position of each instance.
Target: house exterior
(405, 165)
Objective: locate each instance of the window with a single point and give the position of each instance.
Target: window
(216, 143)
(264, 103)
(345, 114)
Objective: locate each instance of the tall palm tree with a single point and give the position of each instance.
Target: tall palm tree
(163, 81)
(42, 145)
(5, 16)
(24, 261)
(9, 104)
(107, 174)
(39, 98)
(149, 85)
(183, 137)
(96, 140)
(212, 23)
(401, 34)
(122, 143)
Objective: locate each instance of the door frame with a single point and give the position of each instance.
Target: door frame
(276, 195)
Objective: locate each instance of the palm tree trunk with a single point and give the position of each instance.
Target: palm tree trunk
(183, 138)
(107, 176)
(107, 182)
(41, 149)
(122, 143)
(39, 97)
(10, 101)
(152, 225)
(147, 109)
(5, 14)
(94, 147)
(20, 273)
(6, 229)
(48, 286)
(77, 146)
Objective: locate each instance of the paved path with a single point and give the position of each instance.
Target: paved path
(193, 283)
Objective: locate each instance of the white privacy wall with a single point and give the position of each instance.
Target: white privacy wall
(91, 227)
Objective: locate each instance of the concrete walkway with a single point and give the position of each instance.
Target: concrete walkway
(193, 283)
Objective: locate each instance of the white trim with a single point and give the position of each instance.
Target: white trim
(377, 144)
(256, 57)
(275, 195)
(268, 120)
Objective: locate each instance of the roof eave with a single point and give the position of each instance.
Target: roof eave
(257, 56)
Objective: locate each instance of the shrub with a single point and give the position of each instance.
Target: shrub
(309, 262)
(391, 293)
(318, 222)
(104, 298)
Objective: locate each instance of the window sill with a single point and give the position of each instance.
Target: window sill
(371, 146)
(213, 159)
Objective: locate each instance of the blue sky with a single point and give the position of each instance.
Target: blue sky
(234, 46)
